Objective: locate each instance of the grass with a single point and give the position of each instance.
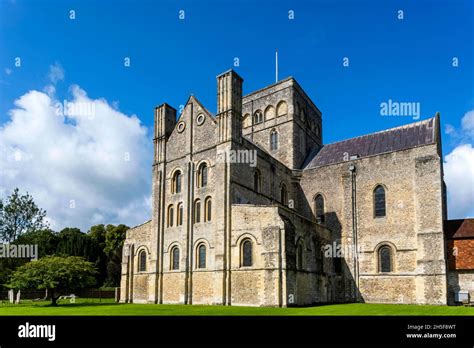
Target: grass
(110, 308)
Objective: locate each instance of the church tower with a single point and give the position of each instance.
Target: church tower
(282, 119)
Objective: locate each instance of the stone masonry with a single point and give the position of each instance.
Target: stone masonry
(235, 218)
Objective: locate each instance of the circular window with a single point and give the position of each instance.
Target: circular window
(200, 119)
(181, 126)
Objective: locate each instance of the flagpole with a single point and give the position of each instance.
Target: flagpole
(276, 66)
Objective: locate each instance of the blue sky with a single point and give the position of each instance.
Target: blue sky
(405, 60)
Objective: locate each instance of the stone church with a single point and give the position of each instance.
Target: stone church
(250, 207)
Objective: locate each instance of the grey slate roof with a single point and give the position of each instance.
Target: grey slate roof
(394, 139)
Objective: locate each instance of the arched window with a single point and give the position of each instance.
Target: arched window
(202, 175)
(300, 256)
(269, 112)
(202, 256)
(208, 209)
(258, 117)
(257, 181)
(197, 211)
(274, 140)
(385, 259)
(283, 195)
(319, 208)
(175, 258)
(176, 182)
(179, 215)
(282, 108)
(247, 120)
(169, 221)
(142, 261)
(379, 201)
(246, 253)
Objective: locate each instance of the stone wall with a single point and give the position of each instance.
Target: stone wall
(273, 175)
(273, 279)
(260, 283)
(135, 285)
(313, 281)
(412, 226)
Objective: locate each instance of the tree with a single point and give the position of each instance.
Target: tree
(58, 275)
(18, 215)
(114, 238)
(73, 242)
(97, 234)
(47, 241)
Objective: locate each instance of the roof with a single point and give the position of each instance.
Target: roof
(463, 228)
(394, 139)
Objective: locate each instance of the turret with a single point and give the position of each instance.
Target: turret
(229, 105)
(165, 121)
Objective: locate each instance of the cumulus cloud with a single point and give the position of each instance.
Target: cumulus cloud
(459, 171)
(83, 161)
(56, 73)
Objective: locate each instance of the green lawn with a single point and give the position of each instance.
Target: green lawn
(108, 307)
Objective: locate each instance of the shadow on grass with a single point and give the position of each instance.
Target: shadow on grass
(80, 304)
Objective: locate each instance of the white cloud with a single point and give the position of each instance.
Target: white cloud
(449, 129)
(56, 73)
(459, 172)
(83, 168)
(50, 90)
(468, 123)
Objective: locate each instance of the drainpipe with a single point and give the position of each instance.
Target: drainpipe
(352, 169)
(132, 267)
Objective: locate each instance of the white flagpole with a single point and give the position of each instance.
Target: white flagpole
(276, 66)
